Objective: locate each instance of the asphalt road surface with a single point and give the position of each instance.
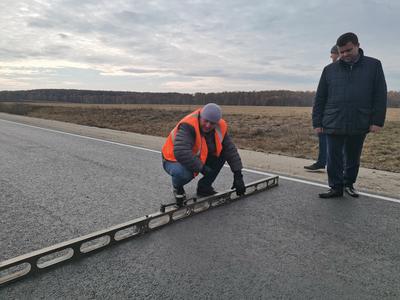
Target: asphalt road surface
(281, 243)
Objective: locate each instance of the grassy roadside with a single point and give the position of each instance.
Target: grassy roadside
(280, 130)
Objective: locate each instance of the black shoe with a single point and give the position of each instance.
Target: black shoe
(314, 167)
(350, 190)
(331, 194)
(204, 191)
(180, 195)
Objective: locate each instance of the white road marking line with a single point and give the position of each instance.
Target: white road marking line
(322, 185)
(156, 151)
(81, 136)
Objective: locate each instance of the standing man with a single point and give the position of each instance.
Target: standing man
(350, 102)
(322, 152)
(200, 143)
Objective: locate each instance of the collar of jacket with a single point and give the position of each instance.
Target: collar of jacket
(360, 57)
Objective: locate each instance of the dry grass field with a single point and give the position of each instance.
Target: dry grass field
(279, 130)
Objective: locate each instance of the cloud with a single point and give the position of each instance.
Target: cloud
(227, 44)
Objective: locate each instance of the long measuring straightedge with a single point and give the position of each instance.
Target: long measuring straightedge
(34, 262)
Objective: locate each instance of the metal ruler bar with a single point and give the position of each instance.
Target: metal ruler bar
(34, 262)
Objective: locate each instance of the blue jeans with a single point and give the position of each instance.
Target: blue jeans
(321, 161)
(181, 176)
(344, 152)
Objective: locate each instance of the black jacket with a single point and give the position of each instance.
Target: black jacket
(350, 98)
(183, 145)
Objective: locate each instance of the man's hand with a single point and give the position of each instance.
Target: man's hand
(238, 183)
(206, 170)
(374, 128)
(318, 130)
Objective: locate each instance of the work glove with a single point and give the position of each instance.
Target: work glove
(206, 170)
(238, 183)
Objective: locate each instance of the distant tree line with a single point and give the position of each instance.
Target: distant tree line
(260, 98)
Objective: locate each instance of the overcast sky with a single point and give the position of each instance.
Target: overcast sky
(187, 46)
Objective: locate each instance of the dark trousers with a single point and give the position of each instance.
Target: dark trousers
(216, 164)
(321, 161)
(343, 148)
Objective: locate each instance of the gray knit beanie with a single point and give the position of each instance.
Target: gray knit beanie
(211, 112)
(335, 50)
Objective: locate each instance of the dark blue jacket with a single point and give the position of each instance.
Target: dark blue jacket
(350, 98)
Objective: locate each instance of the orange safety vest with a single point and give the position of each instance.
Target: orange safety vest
(200, 148)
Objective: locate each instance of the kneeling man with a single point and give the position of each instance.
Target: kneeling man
(200, 143)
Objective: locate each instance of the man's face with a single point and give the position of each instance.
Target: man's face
(349, 52)
(334, 57)
(207, 126)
